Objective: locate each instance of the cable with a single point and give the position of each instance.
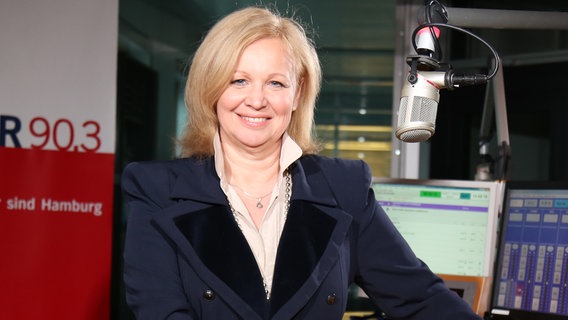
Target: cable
(445, 25)
(430, 5)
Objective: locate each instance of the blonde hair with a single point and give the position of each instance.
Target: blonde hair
(213, 66)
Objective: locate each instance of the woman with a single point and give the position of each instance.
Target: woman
(250, 224)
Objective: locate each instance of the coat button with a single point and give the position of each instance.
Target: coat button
(209, 295)
(331, 299)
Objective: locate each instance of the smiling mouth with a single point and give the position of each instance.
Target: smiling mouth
(251, 119)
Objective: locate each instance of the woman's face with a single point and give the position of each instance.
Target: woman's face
(256, 107)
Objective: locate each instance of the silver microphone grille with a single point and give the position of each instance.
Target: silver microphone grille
(416, 118)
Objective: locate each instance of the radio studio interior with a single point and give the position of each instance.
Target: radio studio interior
(458, 107)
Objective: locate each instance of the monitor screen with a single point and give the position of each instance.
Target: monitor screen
(451, 225)
(531, 276)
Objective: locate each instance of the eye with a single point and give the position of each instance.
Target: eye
(277, 84)
(239, 82)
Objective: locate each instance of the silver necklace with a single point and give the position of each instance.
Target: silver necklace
(287, 193)
(258, 199)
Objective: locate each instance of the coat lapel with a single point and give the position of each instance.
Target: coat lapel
(202, 227)
(221, 246)
(309, 247)
(306, 236)
(210, 241)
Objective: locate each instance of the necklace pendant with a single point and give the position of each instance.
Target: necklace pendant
(259, 204)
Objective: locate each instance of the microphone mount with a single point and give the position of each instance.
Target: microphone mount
(425, 65)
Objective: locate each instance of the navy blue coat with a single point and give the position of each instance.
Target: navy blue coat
(185, 257)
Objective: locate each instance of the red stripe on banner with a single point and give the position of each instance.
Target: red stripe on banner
(55, 234)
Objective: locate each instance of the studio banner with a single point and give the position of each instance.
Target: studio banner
(57, 132)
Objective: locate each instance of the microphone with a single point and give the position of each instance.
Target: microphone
(419, 100)
(418, 105)
(420, 92)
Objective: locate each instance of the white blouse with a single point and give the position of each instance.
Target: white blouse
(263, 241)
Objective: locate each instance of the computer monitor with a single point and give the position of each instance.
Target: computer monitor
(531, 275)
(450, 224)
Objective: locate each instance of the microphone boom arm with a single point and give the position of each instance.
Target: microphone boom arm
(495, 105)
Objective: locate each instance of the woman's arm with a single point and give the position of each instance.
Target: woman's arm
(382, 263)
(397, 281)
(153, 284)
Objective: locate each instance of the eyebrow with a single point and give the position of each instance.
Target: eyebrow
(270, 75)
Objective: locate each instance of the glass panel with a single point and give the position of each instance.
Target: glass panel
(369, 143)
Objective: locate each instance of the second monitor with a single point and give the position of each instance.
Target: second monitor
(450, 224)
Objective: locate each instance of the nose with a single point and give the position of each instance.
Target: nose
(256, 98)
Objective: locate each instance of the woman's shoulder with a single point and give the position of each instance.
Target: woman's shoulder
(161, 167)
(164, 172)
(339, 173)
(349, 180)
(336, 166)
(156, 179)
